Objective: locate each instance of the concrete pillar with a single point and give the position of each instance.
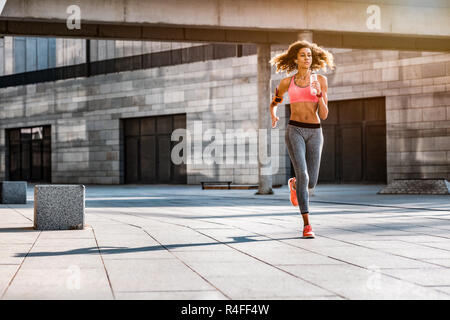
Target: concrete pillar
(305, 35)
(264, 122)
(2, 55)
(8, 45)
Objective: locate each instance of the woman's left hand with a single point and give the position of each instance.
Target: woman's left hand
(316, 85)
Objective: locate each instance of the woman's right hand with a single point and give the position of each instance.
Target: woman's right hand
(274, 121)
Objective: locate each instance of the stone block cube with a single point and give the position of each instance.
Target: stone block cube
(13, 192)
(59, 207)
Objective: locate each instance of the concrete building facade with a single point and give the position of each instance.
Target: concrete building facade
(88, 117)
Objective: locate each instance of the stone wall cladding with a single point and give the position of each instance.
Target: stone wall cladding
(417, 90)
(85, 113)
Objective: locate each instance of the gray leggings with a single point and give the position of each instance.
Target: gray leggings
(305, 149)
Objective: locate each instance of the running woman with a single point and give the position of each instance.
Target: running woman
(308, 99)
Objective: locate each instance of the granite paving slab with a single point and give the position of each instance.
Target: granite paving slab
(181, 242)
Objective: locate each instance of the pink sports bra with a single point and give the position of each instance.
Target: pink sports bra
(300, 94)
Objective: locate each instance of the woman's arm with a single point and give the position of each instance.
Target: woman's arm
(323, 101)
(282, 88)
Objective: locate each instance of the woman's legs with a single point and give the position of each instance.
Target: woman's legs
(314, 145)
(296, 145)
(305, 149)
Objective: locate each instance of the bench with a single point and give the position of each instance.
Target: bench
(238, 186)
(13, 192)
(216, 183)
(59, 207)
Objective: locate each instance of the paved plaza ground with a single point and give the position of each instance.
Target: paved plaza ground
(181, 242)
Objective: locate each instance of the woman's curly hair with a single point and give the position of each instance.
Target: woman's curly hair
(285, 61)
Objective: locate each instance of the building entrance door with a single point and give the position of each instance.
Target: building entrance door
(147, 150)
(354, 142)
(354, 149)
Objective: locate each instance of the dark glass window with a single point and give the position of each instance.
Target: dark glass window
(29, 154)
(31, 54)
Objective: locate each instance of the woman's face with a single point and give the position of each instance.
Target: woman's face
(304, 58)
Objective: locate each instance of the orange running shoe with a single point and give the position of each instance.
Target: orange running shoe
(307, 232)
(294, 199)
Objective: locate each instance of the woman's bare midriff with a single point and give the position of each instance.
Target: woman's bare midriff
(304, 112)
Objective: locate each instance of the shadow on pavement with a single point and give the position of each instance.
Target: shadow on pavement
(18, 229)
(180, 202)
(118, 250)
